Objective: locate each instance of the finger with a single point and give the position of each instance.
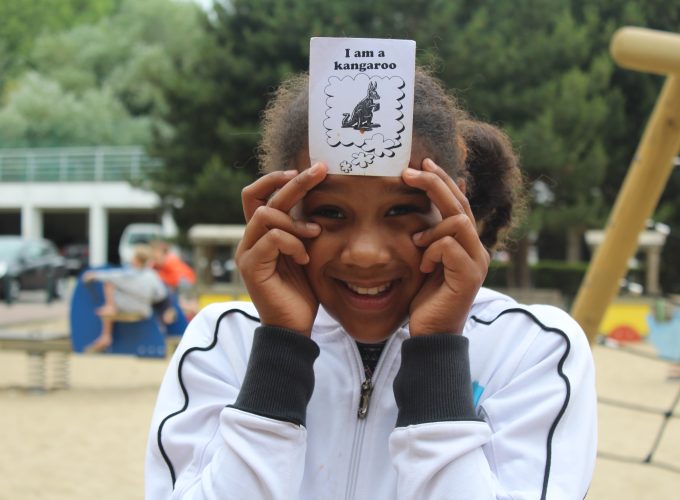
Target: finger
(440, 187)
(295, 190)
(436, 189)
(430, 166)
(268, 249)
(459, 227)
(435, 255)
(258, 193)
(267, 218)
(448, 253)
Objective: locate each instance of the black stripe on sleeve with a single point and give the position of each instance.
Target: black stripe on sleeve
(560, 372)
(209, 347)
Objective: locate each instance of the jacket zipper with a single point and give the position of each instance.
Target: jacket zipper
(365, 398)
(366, 390)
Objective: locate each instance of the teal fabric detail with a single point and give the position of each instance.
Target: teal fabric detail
(477, 391)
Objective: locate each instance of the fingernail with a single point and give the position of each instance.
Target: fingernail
(411, 172)
(314, 169)
(290, 173)
(416, 237)
(312, 226)
(429, 164)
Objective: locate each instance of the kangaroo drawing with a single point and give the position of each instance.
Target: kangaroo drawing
(362, 116)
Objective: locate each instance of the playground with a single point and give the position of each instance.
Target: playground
(112, 117)
(88, 441)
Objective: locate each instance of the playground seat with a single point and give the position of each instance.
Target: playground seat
(123, 317)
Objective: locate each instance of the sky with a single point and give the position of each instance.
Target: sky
(206, 4)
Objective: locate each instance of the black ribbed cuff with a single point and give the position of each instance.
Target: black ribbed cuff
(433, 383)
(279, 379)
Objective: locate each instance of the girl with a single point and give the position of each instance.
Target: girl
(371, 363)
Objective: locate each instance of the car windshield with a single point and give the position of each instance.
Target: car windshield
(139, 239)
(9, 248)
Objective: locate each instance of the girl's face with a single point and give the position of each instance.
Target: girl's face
(364, 266)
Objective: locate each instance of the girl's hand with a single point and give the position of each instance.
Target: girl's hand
(271, 252)
(454, 257)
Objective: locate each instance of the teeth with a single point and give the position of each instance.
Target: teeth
(368, 291)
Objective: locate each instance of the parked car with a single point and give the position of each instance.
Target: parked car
(30, 264)
(77, 257)
(137, 234)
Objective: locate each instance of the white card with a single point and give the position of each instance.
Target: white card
(361, 104)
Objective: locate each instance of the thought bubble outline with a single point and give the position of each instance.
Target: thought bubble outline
(351, 141)
(378, 151)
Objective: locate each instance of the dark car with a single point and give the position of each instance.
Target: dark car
(30, 264)
(77, 257)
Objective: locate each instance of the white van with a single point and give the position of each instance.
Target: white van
(137, 234)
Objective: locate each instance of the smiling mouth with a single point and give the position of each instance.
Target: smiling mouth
(372, 291)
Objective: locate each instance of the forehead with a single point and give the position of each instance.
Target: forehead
(364, 188)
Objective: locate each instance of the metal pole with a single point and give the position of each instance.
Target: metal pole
(646, 178)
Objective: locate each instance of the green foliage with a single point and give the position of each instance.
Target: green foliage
(558, 275)
(565, 276)
(530, 66)
(200, 202)
(102, 83)
(23, 21)
(42, 113)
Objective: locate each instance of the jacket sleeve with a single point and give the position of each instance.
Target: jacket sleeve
(229, 420)
(533, 437)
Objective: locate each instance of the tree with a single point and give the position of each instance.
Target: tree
(23, 22)
(40, 113)
(530, 67)
(101, 83)
(215, 104)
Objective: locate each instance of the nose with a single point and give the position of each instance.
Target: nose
(366, 247)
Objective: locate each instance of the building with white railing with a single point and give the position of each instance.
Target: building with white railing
(43, 191)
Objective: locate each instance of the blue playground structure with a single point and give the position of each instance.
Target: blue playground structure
(665, 336)
(144, 338)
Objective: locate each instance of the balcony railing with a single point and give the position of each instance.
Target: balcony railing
(96, 164)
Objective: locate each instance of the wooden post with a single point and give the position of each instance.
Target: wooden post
(650, 51)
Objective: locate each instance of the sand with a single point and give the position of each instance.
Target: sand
(88, 442)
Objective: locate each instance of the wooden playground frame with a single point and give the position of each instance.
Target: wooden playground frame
(656, 52)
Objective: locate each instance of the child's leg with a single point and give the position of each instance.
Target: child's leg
(109, 307)
(105, 337)
(105, 312)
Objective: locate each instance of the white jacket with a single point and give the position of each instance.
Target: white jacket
(534, 395)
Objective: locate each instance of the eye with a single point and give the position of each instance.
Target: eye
(327, 212)
(403, 210)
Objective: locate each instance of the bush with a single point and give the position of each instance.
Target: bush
(563, 276)
(554, 274)
(497, 277)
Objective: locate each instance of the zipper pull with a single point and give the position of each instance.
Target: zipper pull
(366, 390)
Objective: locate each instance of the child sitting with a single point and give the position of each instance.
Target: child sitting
(129, 291)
